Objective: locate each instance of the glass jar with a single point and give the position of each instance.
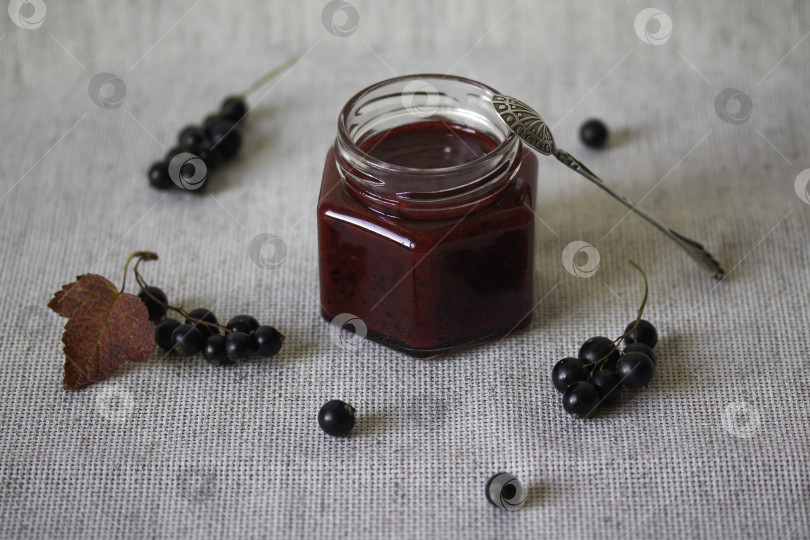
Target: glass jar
(426, 217)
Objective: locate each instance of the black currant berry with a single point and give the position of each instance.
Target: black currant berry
(594, 133)
(155, 302)
(581, 399)
(203, 314)
(243, 323)
(608, 384)
(635, 369)
(187, 171)
(234, 108)
(225, 137)
(214, 350)
(210, 156)
(267, 341)
(159, 175)
(597, 348)
(336, 418)
(173, 153)
(644, 333)
(163, 333)
(642, 348)
(567, 371)
(238, 346)
(187, 340)
(191, 137)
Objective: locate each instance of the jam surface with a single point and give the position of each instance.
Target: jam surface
(428, 145)
(427, 286)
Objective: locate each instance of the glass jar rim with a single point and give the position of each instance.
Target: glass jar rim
(503, 147)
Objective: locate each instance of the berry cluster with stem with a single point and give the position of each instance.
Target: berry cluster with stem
(216, 140)
(598, 373)
(201, 331)
(149, 292)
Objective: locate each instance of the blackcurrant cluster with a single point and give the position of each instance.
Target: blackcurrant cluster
(201, 331)
(596, 376)
(217, 140)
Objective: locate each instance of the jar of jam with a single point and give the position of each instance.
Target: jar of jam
(426, 217)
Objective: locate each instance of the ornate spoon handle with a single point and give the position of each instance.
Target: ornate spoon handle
(692, 248)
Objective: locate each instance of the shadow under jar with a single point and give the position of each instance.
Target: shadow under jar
(426, 217)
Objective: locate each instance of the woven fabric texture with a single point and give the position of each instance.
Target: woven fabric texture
(716, 446)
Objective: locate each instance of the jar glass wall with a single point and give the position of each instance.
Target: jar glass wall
(426, 216)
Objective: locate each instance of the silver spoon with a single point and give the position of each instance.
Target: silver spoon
(529, 126)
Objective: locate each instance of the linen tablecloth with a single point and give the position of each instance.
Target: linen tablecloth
(708, 107)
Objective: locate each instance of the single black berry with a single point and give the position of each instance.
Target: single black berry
(644, 333)
(567, 371)
(608, 383)
(191, 137)
(597, 348)
(640, 347)
(203, 314)
(234, 108)
(243, 323)
(336, 418)
(163, 333)
(224, 136)
(155, 301)
(173, 153)
(214, 350)
(635, 369)
(210, 119)
(594, 133)
(210, 156)
(581, 399)
(159, 175)
(187, 171)
(187, 340)
(267, 341)
(238, 346)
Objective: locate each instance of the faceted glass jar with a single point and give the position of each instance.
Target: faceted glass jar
(426, 217)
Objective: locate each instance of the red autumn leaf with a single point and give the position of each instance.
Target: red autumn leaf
(105, 329)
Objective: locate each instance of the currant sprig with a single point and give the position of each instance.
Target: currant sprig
(598, 373)
(201, 330)
(215, 141)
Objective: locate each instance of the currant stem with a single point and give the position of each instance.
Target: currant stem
(141, 255)
(644, 301)
(149, 256)
(267, 76)
(618, 340)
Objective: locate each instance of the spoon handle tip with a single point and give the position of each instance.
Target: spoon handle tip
(692, 248)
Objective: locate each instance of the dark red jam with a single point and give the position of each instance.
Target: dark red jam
(426, 275)
(428, 145)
